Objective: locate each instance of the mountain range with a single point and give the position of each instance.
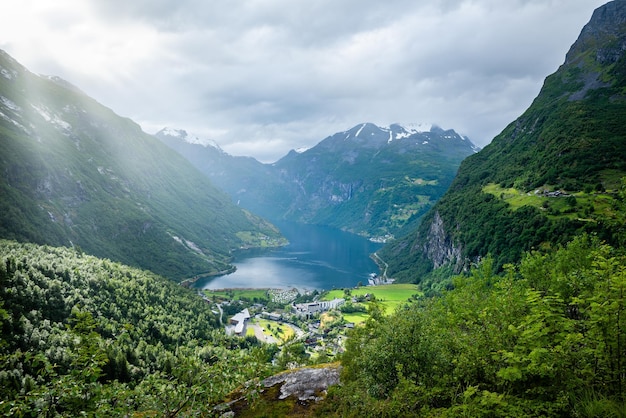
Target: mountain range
(370, 180)
(86, 336)
(74, 173)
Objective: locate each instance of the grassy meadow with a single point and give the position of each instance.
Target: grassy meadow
(390, 296)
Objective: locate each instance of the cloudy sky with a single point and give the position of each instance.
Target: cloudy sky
(262, 77)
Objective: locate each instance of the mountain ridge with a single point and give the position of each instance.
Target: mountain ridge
(369, 180)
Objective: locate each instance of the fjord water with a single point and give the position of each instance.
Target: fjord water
(317, 257)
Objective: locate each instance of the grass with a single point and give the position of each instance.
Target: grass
(238, 294)
(390, 296)
(586, 206)
(356, 318)
(281, 332)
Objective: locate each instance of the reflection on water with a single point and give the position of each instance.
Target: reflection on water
(316, 258)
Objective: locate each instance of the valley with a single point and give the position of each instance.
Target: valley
(505, 266)
(316, 257)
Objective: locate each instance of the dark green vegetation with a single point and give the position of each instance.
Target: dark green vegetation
(546, 338)
(571, 140)
(368, 180)
(74, 173)
(535, 329)
(86, 335)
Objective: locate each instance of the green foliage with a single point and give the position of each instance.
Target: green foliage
(82, 335)
(545, 338)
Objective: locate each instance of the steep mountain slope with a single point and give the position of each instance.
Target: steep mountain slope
(368, 180)
(72, 172)
(554, 172)
(373, 180)
(250, 183)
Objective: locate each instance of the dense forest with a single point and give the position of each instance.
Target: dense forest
(545, 338)
(82, 335)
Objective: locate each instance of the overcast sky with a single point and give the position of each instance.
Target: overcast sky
(261, 77)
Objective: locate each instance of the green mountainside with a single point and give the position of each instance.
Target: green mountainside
(554, 172)
(543, 336)
(250, 183)
(368, 180)
(72, 172)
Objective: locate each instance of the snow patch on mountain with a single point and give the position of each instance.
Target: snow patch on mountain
(416, 127)
(54, 119)
(360, 129)
(8, 74)
(10, 104)
(183, 135)
(401, 131)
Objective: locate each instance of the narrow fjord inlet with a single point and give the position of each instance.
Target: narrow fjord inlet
(317, 257)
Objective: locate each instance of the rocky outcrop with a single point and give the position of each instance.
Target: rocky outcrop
(304, 384)
(439, 246)
(604, 35)
(291, 393)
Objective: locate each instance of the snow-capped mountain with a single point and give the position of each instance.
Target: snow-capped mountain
(368, 179)
(183, 135)
(421, 134)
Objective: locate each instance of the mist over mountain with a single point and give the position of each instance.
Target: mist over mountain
(370, 180)
(534, 224)
(74, 173)
(551, 174)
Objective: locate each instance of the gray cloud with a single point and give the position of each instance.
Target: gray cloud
(264, 77)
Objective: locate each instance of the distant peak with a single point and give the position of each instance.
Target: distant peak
(398, 130)
(412, 127)
(183, 135)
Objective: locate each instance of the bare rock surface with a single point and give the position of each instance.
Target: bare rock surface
(305, 384)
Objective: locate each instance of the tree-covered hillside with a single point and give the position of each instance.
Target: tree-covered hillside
(551, 174)
(72, 172)
(82, 335)
(544, 339)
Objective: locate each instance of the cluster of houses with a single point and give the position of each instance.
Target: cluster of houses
(307, 310)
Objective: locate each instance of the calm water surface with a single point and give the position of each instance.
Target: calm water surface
(316, 258)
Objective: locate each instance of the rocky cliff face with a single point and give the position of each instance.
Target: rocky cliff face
(603, 38)
(439, 245)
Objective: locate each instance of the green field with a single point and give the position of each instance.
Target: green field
(277, 330)
(238, 294)
(357, 317)
(579, 205)
(391, 296)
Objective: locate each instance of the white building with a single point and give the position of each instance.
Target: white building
(306, 309)
(239, 321)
